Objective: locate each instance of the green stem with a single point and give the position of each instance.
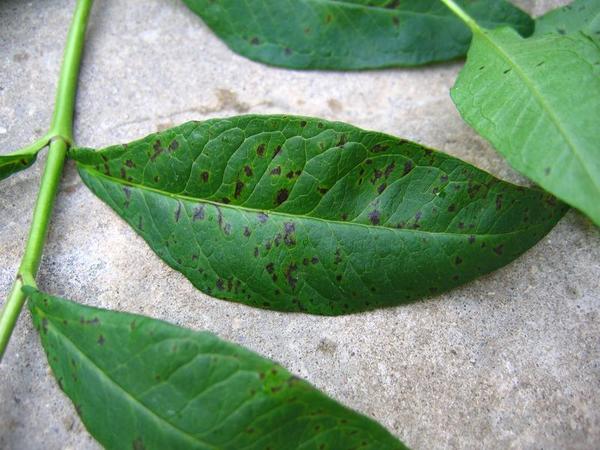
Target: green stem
(62, 130)
(462, 15)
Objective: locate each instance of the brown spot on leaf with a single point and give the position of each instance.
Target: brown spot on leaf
(260, 150)
(282, 196)
(289, 275)
(204, 176)
(375, 217)
(199, 213)
(239, 185)
(248, 171)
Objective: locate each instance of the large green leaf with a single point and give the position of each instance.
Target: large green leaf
(580, 15)
(300, 214)
(537, 100)
(349, 34)
(139, 383)
(12, 163)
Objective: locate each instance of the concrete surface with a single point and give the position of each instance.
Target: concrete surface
(509, 361)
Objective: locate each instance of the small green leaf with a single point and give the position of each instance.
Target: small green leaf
(140, 383)
(580, 15)
(537, 100)
(301, 214)
(13, 163)
(350, 34)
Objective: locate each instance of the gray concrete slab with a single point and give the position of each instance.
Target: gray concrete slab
(511, 360)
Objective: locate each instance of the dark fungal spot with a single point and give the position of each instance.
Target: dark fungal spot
(204, 176)
(225, 200)
(303, 123)
(239, 185)
(290, 174)
(342, 141)
(389, 169)
(323, 191)
(277, 151)
(452, 208)
(248, 171)
(314, 260)
(381, 188)
(256, 252)
(174, 145)
(499, 249)
(247, 232)
(262, 217)
(305, 262)
(375, 217)
(338, 278)
(287, 51)
(157, 150)
(289, 275)
(220, 284)
(276, 171)
(408, 166)
(123, 173)
(547, 171)
(289, 234)
(498, 202)
(101, 340)
(471, 239)
(198, 213)
(178, 212)
(378, 148)
(444, 178)
(396, 21)
(260, 150)
(255, 41)
(156, 178)
(129, 163)
(458, 260)
(282, 196)
(270, 268)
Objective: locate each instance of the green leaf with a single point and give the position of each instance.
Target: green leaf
(537, 100)
(580, 15)
(301, 214)
(142, 383)
(350, 34)
(13, 163)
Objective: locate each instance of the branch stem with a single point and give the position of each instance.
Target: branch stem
(61, 134)
(461, 14)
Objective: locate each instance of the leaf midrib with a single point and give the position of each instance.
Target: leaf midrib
(295, 216)
(540, 99)
(127, 394)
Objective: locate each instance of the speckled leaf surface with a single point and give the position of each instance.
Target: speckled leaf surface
(580, 15)
(537, 100)
(350, 34)
(300, 214)
(10, 164)
(140, 383)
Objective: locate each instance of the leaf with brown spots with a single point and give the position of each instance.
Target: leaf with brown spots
(140, 383)
(15, 162)
(350, 34)
(385, 219)
(537, 101)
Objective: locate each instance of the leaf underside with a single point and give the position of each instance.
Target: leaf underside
(141, 383)
(300, 214)
(11, 164)
(350, 34)
(537, 100)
